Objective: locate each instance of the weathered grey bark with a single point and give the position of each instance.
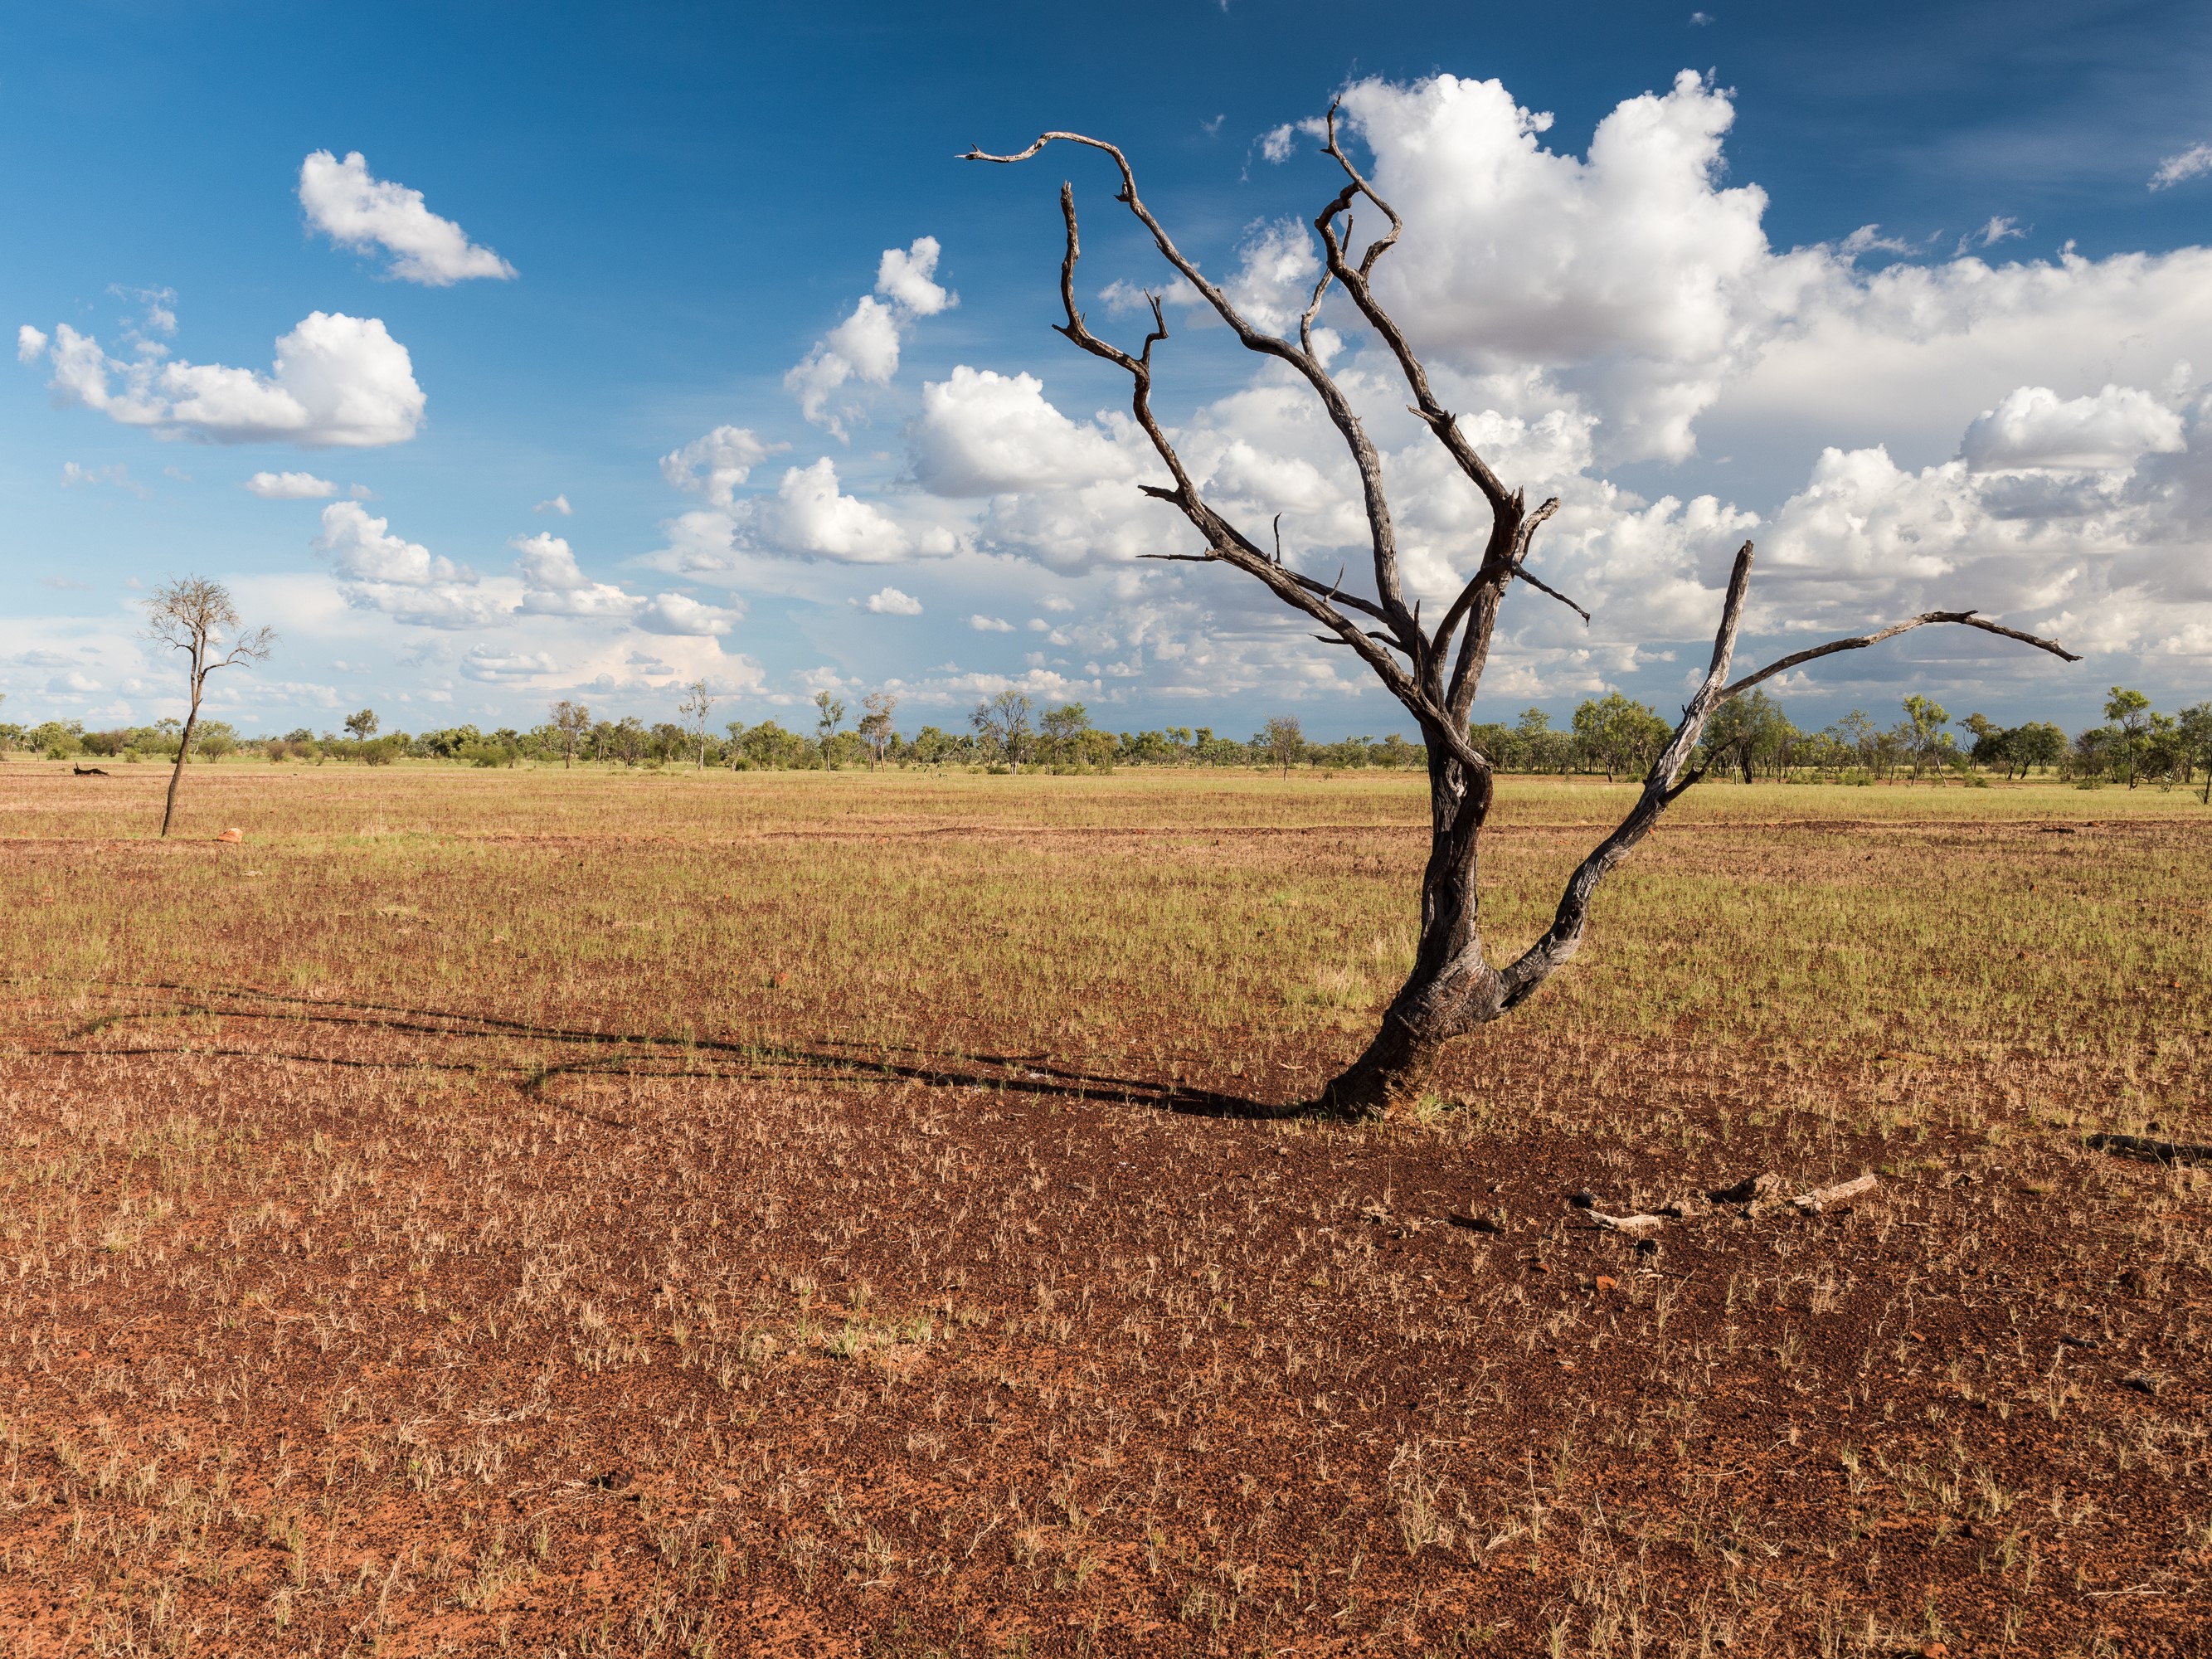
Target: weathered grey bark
(1435, 672)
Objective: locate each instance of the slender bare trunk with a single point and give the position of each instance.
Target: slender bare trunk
(183, 750)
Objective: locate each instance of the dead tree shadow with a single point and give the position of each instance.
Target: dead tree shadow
(638, 1055)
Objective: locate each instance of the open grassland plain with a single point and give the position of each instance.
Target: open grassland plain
(583, 1213)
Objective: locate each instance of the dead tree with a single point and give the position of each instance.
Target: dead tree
(1434, 671)
(196, 616)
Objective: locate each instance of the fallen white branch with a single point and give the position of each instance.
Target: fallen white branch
(1837, 1197)
(1636, 1226)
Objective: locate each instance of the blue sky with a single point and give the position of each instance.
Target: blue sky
(692, 201)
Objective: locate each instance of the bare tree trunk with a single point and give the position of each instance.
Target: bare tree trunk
(1451, 989)
(184, 749)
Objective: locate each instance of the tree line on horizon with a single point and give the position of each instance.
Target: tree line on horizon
(1752, 738)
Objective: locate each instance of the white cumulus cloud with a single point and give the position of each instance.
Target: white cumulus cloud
(891, 602)
(985, 433)
(678, 613)
(714, 465)
(380, 571)
(1279, 144)
(290, 486)
(357, 211)
(553, 585)
(906, 277)
(1631, 274)
(490, 666)
(809, 517)
(2034, 427)
(865, 345)
(338, 382)
(363, 549)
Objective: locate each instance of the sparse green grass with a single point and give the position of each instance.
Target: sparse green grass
(1144, 917)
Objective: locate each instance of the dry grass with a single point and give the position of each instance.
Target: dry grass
(601, 1215)
(1112, 918)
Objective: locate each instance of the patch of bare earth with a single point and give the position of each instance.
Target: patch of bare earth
(784, 1354)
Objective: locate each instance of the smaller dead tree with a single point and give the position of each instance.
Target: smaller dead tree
(196, 616)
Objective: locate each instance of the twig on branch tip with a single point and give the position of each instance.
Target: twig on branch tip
(1542, 586)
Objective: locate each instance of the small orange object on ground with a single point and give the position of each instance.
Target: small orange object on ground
(232, 835)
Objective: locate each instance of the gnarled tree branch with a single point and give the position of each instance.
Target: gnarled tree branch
(1366, 459)
(1859, 642)
(1662, 784)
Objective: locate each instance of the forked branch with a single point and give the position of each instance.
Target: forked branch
(1420, 685)
(1411, 684)
(1300, 357)
(1671, 776)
